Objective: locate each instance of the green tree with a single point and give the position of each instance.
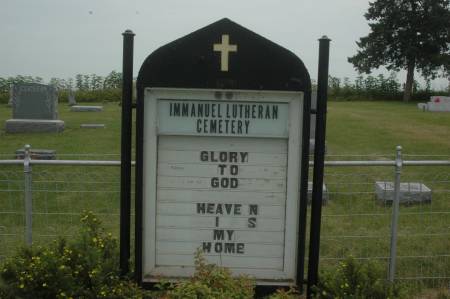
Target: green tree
(406, 34)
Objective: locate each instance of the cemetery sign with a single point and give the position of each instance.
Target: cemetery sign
(222, 150)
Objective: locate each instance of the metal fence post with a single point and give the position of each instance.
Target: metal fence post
(28, 195)
(395, 211)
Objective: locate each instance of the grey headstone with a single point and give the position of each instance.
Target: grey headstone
(35, 109)
(71, 98)
(37, 154)
(86, 108)
(409, 192)
(34, 101)
(324, 193)
(92, 126)
(34, 126)
(11, 91)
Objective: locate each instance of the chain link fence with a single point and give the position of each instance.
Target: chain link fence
(355, 222)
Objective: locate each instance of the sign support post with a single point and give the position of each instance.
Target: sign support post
(125, 168)
(319, 155)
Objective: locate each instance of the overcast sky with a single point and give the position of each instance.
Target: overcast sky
(61, 38)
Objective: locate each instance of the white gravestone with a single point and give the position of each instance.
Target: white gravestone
(409, 192)
(436, 104)
(226, 182)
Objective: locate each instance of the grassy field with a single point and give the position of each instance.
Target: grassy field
(354, 223)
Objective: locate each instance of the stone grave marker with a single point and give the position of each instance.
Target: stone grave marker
(92, 126)
(35, 109)
(409, 192)
(37, 154)
(436, 104)
(78, 108)
(71, 98)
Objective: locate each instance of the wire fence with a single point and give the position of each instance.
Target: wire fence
(356, 220)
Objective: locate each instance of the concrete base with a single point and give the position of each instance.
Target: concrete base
(324, 193)
(37, 154)
(92, 126)
(409, 192)
(77, 108)
(33, 126)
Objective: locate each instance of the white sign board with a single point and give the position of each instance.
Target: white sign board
(221, 175)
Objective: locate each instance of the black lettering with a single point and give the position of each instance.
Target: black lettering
(215, 182)
(201, 208)
(213, 110)
(224, 182)
(247, 124)
(240, 248)
(230, 234)
(185, 109)
(213, 126)
(199, 123)
(267, 112)
(206, 247)
(206, 110)
(233, 157)
(217, 221)
(226, 125)
(220, 126)
(228, 111)
(275, 112)
(213, 159)
(170, 113)
(218, 247)
(260, 111)
(222, 168)
(219, 234)
(234, 110)
(252, 222)
(210, 208)
(176, 109)
(239, 126)
(240, 110)
(253, 209)
(204, 156)
(232, 127)
(205, 126)
(244, 157)
(237, 209)
(247, 111)
(223, 156)
(228, 207)
(193, 110)
(234, 169)
(219, 113)
(234, 183)
(219, 209)
(229, 248)
(253, 111)
(200, 110)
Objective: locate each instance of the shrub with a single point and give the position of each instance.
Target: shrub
(85, 268)
(209, 281)
(352, 279)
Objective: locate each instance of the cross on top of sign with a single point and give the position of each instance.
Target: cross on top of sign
(224, 48)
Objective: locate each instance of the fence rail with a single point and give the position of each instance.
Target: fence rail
(412, 240)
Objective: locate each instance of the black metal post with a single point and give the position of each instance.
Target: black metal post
(125, 168)
(319, 155)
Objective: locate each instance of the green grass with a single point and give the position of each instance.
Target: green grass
(353, 223)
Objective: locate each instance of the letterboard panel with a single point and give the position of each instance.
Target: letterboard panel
(233, 195)
(223, 226)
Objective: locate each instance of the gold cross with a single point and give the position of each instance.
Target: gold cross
(224, 48)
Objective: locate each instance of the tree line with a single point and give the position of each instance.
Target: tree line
(81, 82)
